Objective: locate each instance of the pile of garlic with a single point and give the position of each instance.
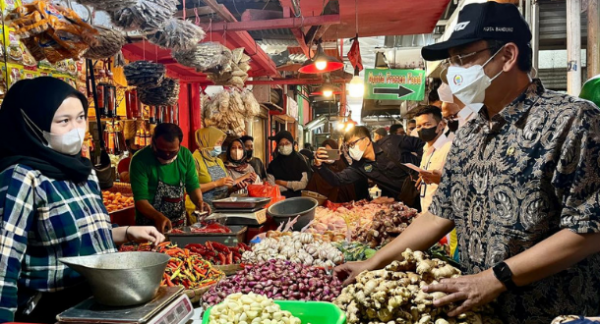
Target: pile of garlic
(395, 294)
(250, 309)
(296, 247)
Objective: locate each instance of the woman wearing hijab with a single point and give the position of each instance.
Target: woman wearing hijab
(50, 202)
(288, 169)
(212, 174)
(334, 194)
(238, 167)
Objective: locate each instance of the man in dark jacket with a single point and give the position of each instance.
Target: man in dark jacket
(379, 162)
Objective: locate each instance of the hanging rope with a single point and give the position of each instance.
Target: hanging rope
(197, 21)
(183, 10)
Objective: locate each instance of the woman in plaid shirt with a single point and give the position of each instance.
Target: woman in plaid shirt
(50, 201)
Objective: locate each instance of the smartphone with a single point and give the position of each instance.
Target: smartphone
(333, 154)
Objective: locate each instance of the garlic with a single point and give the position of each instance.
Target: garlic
(261, 310)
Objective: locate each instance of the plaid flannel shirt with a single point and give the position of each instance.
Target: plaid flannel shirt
(43, 220)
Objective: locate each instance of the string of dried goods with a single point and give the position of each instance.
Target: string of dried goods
(206, 57)
(296, 247)
(52, 31)
(395, 294)
(230, 109)
(178, 35)
(108, 5)
(145, 15)
(250, 309)
(166, 94)
(144, 74)
(109, 43)
(386, 225)
(277, 279)
(239, 70)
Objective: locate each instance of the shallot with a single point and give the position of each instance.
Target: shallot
(278, 279)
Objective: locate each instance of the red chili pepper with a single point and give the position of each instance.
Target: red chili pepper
(230, 258)
(222, 259)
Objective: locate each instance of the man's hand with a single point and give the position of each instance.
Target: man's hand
(206, 208)
(227, 181)
(429, 177)
(321, 156)
(163, 224)
(470, 291)
(348, 271)
(142, 234)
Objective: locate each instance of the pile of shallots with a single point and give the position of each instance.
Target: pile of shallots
(279, 280)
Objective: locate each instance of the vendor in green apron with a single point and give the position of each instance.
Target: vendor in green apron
(212, 174)
(161, 174)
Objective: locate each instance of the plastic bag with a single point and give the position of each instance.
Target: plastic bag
(266, 190)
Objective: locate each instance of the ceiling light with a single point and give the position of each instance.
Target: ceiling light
(356, 88)
(327, 92)
(321, 63)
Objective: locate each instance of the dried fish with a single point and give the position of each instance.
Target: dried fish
(144, 74)
(166, 94)
(108, 5)
(205, 57)
(110, 42)
(178, 35)
(145, 15)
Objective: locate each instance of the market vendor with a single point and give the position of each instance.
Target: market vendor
(521, 184)
(50, 202)
(212, 174)
(254, 161)
(289, 168)
(379, 162)
(238, 167)
(161, 175)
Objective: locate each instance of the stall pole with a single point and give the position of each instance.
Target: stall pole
(535, 31)
(195, 108)
(593, 40)
(184, 115)
(573, 47)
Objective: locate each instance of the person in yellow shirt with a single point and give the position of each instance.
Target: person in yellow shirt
(212, 174)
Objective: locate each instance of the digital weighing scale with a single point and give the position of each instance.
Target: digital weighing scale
(170, 306)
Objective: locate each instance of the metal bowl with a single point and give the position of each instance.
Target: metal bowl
(121, 279)
(290, 208)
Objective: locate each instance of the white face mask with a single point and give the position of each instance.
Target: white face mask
(286, 150)
(165, 162)
(238, 154)
(356, 153)
(69, 143)
(469, 84)
(445, 93)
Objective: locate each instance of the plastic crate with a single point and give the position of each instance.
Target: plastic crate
(306, 311)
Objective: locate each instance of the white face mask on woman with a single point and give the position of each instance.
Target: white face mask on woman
(238, 154)
(286, 150)
(469, 84)
(69, 143)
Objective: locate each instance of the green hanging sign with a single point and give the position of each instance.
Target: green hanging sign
(394, 84)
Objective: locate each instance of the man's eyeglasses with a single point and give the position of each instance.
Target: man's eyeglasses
(457, 60)
(352, 144)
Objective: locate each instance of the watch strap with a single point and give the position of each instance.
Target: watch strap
(504, 275)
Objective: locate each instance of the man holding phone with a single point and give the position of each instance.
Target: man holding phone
(379, 162)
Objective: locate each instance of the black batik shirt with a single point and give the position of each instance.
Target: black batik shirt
(507, 187)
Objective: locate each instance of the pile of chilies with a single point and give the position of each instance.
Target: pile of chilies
(185, 268)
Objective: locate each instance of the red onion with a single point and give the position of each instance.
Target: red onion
(277, 279)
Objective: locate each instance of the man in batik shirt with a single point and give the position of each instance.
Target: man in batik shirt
(521, 184)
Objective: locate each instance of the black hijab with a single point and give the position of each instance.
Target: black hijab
(39, 99)
(290, 167)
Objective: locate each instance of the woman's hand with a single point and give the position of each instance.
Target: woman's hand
(281, 183)
(143, 234)
(225, 182)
